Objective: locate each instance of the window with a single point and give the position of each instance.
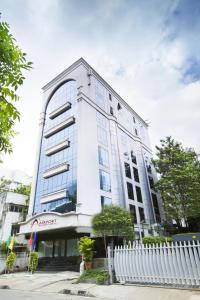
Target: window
(130, 191)
(105, 201)
(156, 207)
(141, 213)
(149, 169)
(136, 132)
(151, 182)
(111, 110)
(133, 157)
(127, 170)
(110, 97)
(126, 155)
(105, 181)
(119, 106)
(139, 194)
(15, 208)
(136, 174)
(103, 157)
(133, 119)
(133, 213)
(102, 136)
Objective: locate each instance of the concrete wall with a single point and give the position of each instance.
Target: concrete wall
(20, 264)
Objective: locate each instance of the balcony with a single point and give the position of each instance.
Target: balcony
(54, 149)
(57, 128)
(56, 170)
(58, 111)
(53, 196)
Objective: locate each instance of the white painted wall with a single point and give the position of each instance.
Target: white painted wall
(88, 193)
(7, 218)
(16, 198)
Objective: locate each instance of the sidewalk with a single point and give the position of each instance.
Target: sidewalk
(32, 282)
(57, 282)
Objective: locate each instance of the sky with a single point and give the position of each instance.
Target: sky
(148, 51)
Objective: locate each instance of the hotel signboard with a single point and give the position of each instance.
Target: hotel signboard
(49, 221)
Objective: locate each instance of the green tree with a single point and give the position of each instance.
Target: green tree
(4, 185)
(23, 189)
(179, 183)
(113, 221)
(12, 63)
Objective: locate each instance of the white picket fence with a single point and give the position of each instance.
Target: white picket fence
(176, 264)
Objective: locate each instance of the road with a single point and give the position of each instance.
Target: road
(27, 295)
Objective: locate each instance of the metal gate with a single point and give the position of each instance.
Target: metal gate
(176, 264)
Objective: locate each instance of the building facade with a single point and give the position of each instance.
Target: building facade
(93, 150)
(13, 209)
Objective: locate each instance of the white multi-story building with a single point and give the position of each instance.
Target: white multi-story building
(93, 150)
(13, 209)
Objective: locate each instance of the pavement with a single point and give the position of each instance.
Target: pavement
(59, 285)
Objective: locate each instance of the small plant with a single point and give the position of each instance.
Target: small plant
(103, 277)
(86, 250)
(33, 261)
(147, 240)
(98, 276)
(10, 260)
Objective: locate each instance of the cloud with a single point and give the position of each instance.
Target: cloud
(148, 51)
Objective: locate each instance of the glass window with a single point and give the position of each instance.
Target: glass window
(133, 157)
(141, 213)
(102, 136)
(156, 207)
(66, 180)
(130, 191)
(127, 170)
(99, 94)
(111, 110)
(139, 194)
(105, 181)
(133, 213)
(151, 182)
(105, 201)
(126, 155)
(103, 157)
(136, 174)
(136, 132)
(149, 169)
(72, 247)
(45, 249)
(133, 119)
(119, 106)
(110, 97)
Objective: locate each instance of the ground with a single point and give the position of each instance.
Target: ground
(49, 286)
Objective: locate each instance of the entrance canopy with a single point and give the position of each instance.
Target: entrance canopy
(49, 221)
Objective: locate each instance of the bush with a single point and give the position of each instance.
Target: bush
(99, 276)
(147, 240)
(10, 260)
(3, 249)
(33, 261)
(86, 248)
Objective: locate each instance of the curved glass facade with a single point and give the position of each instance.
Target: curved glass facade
(66, 180)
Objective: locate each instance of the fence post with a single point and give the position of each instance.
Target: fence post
(110, 265)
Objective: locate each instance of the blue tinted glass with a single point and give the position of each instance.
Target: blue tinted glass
(103, 157)
(67, 180)
(105, 181)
